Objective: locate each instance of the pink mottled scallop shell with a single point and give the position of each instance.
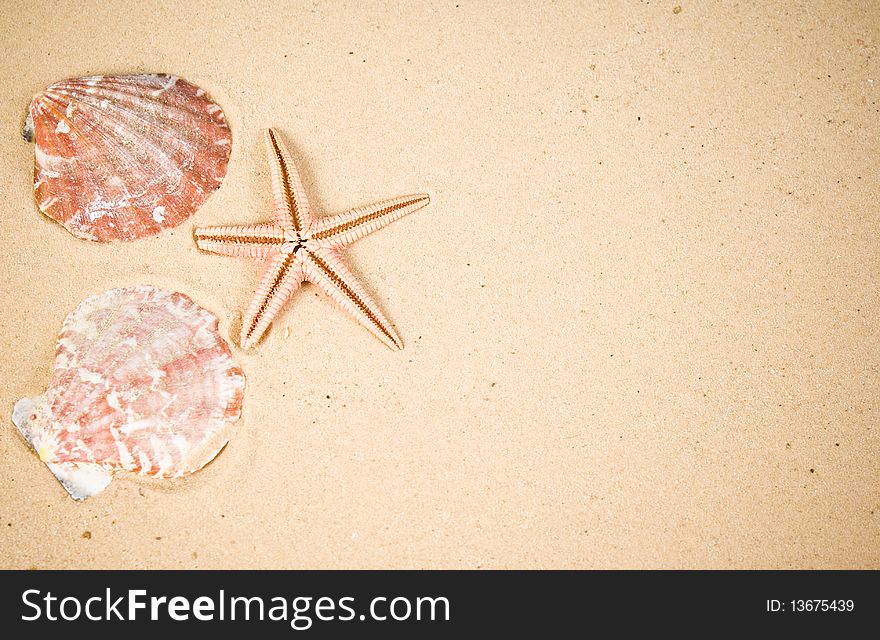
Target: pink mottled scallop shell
(142, 382)
(124, 157)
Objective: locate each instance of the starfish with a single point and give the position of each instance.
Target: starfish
(296, 247)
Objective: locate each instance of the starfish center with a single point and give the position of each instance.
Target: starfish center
(294, 241)
(296, 244)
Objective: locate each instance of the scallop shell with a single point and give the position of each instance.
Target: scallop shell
(124, 157)
(142, 382)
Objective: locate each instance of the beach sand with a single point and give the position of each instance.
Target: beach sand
(640, 312)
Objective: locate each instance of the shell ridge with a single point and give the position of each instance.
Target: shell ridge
(116, 113)
(145, 105)
(121, 87)
(123, 157)
(91, 154)
(125, 151)
(123, 205)
(142, 382)
(72, 215)
(161, 164)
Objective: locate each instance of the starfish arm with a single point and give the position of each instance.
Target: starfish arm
(343, 229)
(326, 269)
(290, 206)
(254, 241)
(281, 277)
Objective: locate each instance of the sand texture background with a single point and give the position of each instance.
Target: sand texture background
(640, 312)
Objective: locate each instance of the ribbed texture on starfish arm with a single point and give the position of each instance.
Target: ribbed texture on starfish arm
(296, 246)
(290, 206)
(281, 277)
(327, 270)
(254, 241)
(343, 229)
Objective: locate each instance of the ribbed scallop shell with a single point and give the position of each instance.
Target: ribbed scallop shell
(124, 157)
(142, 382)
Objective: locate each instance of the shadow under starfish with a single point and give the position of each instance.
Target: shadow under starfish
(298, 247)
